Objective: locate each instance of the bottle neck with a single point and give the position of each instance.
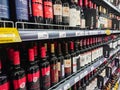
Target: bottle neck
(43, 53)
(59, 49)
(52, 49)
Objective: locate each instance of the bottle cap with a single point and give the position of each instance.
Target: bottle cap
(71, 45)
(52, 48)
(85, 3)
(16, 58)
(94, 6)
(31, 54)
(80, 3)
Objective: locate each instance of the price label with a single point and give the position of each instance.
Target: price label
(100, 62)
(43, 35)
(78, 33)
(81, 75)
(85, 73)
(9, 35)
(92, 68)
(66, 86)
(107, 32)
(62, 34)
(76, 79)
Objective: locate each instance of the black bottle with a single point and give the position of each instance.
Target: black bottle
(67, 59)
(53, 65)
(4, 83)
(35, 13)
(73, 57)
(45, 70)
(48, 12)
(33, 73)
(18, 77)
(61, 71)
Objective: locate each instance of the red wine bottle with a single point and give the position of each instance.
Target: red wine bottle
(4, 83)
(53, 66)
(36, 53)
(65, 12)
(33, 73)
(45, 70)
(57, 12)
(48, 11)
(73, 57)
(67, 59)
(61, 71)
(18, 77)
(36, 11)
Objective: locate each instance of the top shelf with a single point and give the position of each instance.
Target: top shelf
(30, 34)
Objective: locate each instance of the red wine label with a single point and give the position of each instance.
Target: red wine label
(37, 10)
(34, 81)
(16, 58)
(48, 11)
(4, 86)
(45, 78)
(54, 73)
(67, 64)
(38, 1)
(20, 84)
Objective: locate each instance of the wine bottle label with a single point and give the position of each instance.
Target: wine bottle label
(65, 11)
(4, 9)
(82, 23)
(74, 64)
(20, 84)
(33, 81)
(45, 78)
(78, 62)
(72, 17)
(57, 9)
(59, 65)
(21, 9)
(5, 86)
(48, 11)
(54, 73)
(67, 63)
(63, 70)
(78, 17)
(37, 9)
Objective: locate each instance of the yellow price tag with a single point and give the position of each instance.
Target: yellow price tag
(107, 32)
(9, 35)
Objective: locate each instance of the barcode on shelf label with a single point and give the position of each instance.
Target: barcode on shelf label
(62, 34)
(78, 33)
(92, 68)
(66, 86)
(43, 35)
(76, 79)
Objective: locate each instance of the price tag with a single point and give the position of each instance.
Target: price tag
(92, 68)
(9, 35)
(81, 75)
(78, 33)
(76, 79)
(107, 32)
(85, 73)
(43, 35)
(62, 34)
(66, 86)
(100, 62)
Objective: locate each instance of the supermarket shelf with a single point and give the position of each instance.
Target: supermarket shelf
(64, 85)
(111, 5)
(30, 34)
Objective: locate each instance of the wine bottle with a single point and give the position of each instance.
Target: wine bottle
(72, 22)
(45, 70)
(73, 57)
(18, 76)
(33, 73)
(35, 47)
(61, 71)
(65, 12)
(53, 66)
(57, 12)
(4, 83)
(67, 59)
(48, 12)
(35, 13)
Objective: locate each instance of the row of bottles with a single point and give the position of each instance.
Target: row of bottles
(78, 14)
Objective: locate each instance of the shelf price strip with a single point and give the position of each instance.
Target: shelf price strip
(62, 34)
(43, 35)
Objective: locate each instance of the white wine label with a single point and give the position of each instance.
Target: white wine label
(57, 9)
(65, 11)
(73, 17)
